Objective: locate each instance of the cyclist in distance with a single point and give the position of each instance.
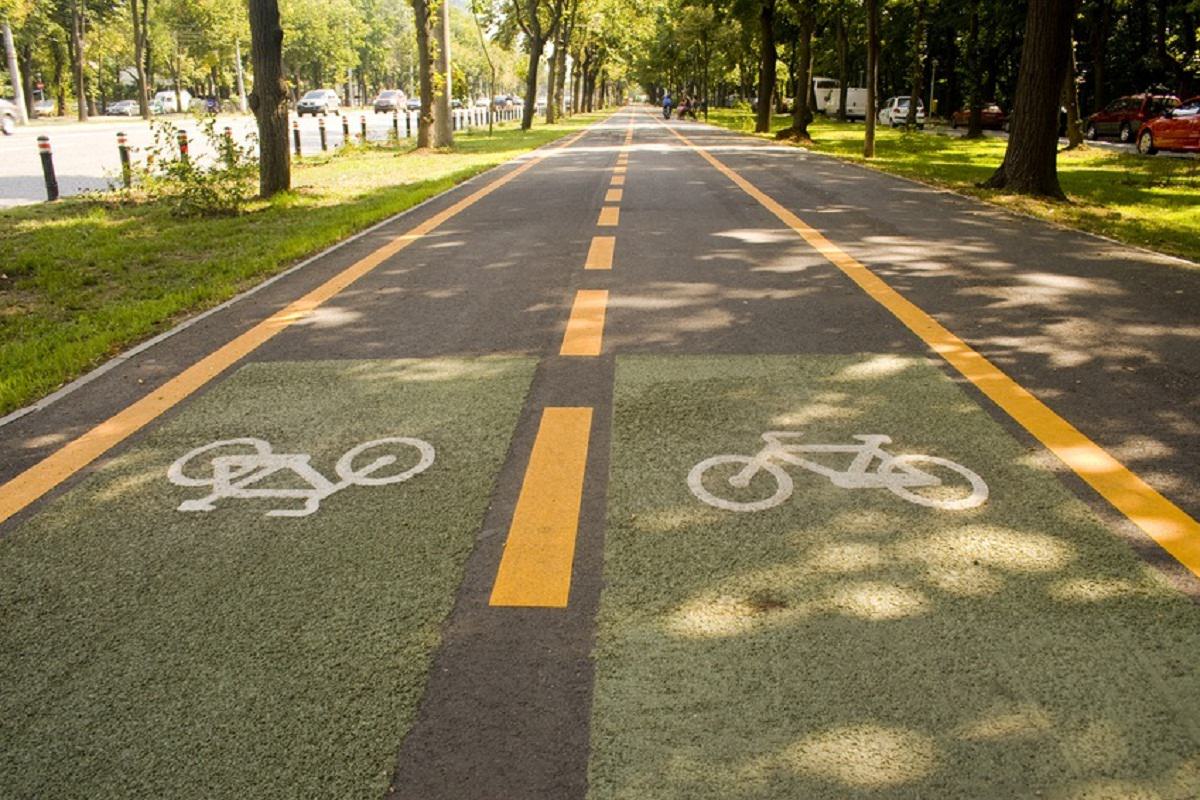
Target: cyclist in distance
(666, 105)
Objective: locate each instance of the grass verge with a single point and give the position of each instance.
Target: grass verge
(85, 278)
(1151, 202)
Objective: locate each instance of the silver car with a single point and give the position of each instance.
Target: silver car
(318, 101)
(8, 117)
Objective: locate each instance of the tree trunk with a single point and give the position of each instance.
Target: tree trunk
(801, 112)
(14, 74)
(872, 76)
(767, 59)
(1030, 161)
(551, 79)
(1070, 99)
(77, 59)
(843, 47)
(268, 99)
(536, 45)
(443, 121)
(424, 26)
(27, 77)
(974, 101)
(1101, 21)
(139, 53)
(918, 68)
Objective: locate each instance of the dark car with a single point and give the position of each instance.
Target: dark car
(413, 104)
(1178, 130)
(389, 100)
(1124, 117)
(990, 116)
(1006, 126)
(8, 117)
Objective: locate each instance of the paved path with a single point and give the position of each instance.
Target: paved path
(541, 547)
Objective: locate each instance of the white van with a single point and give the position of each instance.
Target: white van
(164, 101)
(824, 89)
(856, 102)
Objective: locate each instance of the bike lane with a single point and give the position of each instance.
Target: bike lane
(156, 607)
(849, 642)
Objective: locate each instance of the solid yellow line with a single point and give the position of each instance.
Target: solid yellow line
(600, 254)
(618, 180)
(34, 482)
(609, 215)
(1161, 520)
(613, 196)
(535, 569)
(585, 328)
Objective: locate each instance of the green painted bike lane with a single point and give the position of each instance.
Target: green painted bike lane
(152, 651)
(848, 642)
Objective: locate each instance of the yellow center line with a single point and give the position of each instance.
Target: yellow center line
(1163, 521)
(609, 216)
(613, 196)
(619, 170)
(585, 328)
(600, 254)
(618, 180)
(535, 570)
(60, 465)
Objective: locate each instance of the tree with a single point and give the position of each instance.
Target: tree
(806, 23)
(268, 99)
(1030, 160)
(539, 20)
(766, 65)
(141, 30)
(424, 25)
(443, 127)
(872, 76)
(918, 66)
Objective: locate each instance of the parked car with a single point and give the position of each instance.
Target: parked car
(824, 90)
(8, 117)
(895, 112)
(455, 102)
(481, 102)
(856, 102)
(123, 108)
(319, 101)
(991, 116)
(389, 100)
(1124, 117)
(503, 102)
(1062, 121)
(166, 102)
(1178, 129)
(414, 104)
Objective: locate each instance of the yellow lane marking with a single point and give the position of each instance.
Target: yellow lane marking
(613, 196)
(585, 328)
(600, 254)
(609, 215)
(619, 170)
(535, 569)
(34, 482)
(618, 180)
(1161, 520)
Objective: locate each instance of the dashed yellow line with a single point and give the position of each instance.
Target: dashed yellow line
(1163, 521)
(600, 254)
(618, 180)
(619, 170)
(613, 196)
(585, 328)
(60, 465)
(535, 570)
(609, 216)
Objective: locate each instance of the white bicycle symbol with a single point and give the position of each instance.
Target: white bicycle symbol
(249, 461)
(898, 474)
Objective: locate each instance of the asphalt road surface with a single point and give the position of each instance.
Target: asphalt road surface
(724, 470)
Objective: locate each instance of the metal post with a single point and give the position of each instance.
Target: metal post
(241, 81)
(230, 156)
(362, 124)
(123, 150)
(48, 167)
(296, 136)
(345, 131)
(396, 125)
(321, 128)
(183, 146)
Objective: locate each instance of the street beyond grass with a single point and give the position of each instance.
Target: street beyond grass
(84, 278)
(1145, 201)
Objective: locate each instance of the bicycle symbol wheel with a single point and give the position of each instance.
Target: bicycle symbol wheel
(203, 474)
(936, 493)
(370, 473)
(717, 470)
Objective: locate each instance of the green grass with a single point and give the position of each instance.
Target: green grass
(848, 644)
(85, 278)
(1150, 202)
(152, 653)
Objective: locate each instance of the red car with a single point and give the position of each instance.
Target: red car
(991, 116)
(1123, 118)
(1178, 129)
